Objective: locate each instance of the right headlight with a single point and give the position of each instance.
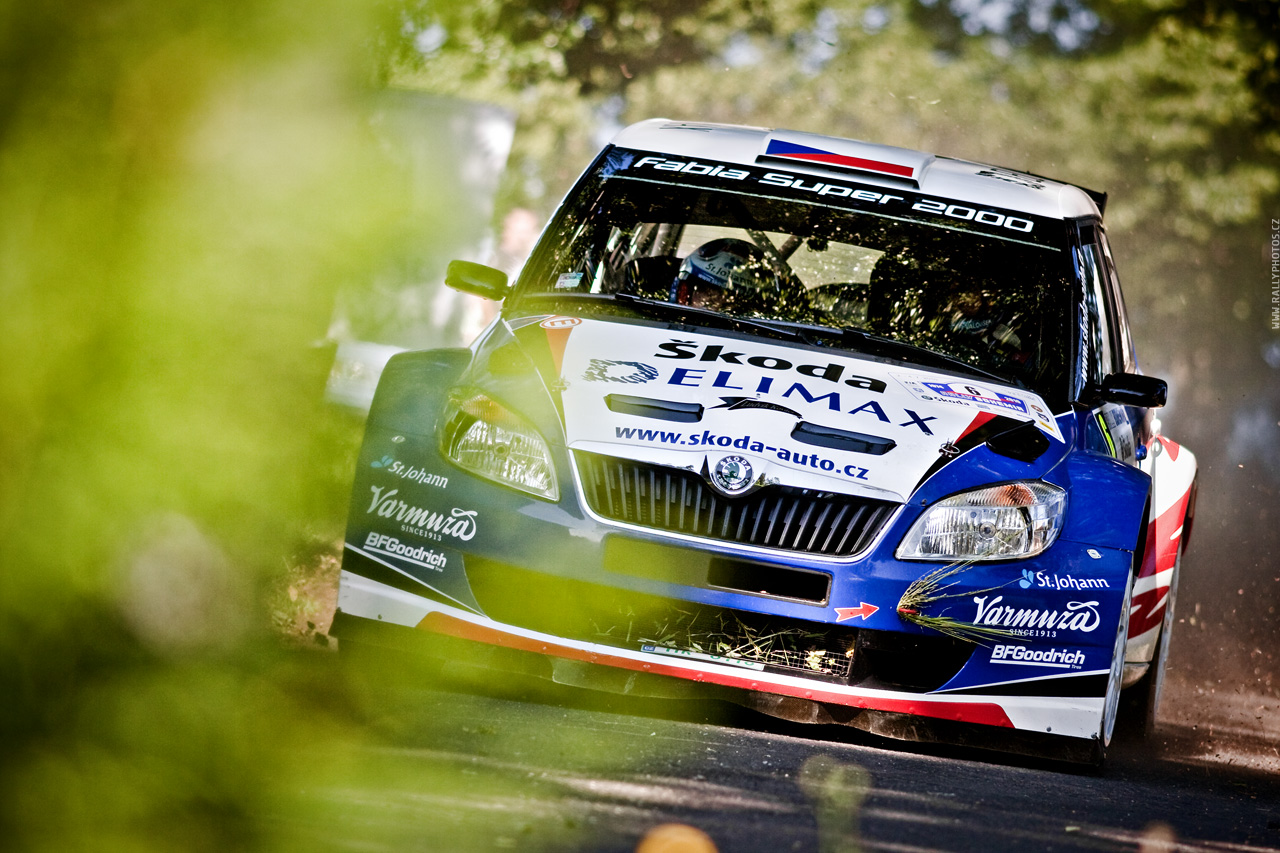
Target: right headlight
(1005, 522)
(484, 437)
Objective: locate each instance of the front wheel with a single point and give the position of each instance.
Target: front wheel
(1142, 701)
(1111, 701)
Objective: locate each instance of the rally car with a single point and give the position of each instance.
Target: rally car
(853, 433)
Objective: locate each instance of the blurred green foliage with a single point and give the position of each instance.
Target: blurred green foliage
(183, 186)
(183, 190)
(1168, 107)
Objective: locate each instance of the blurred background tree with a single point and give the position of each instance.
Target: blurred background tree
(184, 186)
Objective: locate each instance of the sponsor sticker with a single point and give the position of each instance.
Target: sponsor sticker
(976, 394)
(681, 653)
(626, 372)
(1117, 432)
(436, 567)
(762, 359)
(806, 185)
(982, 397)
(862, 611)
(1044, 580)
(1020, 655)
(389, 546)
(1081, 616)
(870, 412)
(459, 524)
(560, 323)
(790, 455)
(409, 472)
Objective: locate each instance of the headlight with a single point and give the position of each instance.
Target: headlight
(996, 523)
(487, 439)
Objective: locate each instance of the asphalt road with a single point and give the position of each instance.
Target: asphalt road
(514, 765)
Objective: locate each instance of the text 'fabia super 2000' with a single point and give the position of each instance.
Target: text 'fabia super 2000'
(847, 433)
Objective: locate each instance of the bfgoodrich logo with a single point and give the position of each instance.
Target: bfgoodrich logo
(1024, 656)
(389, 546)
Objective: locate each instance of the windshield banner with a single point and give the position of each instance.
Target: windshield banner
(844, 192)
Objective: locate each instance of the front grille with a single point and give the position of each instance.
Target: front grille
(625, 619)
(770, 643)
(679, 501)
(917, 663)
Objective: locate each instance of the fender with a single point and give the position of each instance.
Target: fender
(408, 398)
(1173, 473)
(407, 402)
(1106, 504)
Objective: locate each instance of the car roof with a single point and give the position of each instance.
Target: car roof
(812, 153)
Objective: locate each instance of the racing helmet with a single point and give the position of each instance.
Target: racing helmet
(723, 265)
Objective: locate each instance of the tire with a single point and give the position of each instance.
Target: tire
(1142, 700)
(1111, 700)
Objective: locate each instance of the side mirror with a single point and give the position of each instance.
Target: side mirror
(477, 279)
(1134, 389)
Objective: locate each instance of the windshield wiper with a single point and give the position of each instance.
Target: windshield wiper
(658, 308)
(871, 344)
(875, 344)
(853, 339)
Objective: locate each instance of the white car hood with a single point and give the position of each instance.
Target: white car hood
(747, 413)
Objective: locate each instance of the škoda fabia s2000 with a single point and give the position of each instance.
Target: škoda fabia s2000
(853, 433)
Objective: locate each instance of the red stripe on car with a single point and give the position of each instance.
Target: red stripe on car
(982, 713)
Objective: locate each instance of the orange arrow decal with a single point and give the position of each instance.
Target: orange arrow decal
(863, 609)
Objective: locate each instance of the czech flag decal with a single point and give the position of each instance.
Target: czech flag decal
(782, 150)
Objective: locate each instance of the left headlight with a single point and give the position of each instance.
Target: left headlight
(484, 437)
(1005, 522)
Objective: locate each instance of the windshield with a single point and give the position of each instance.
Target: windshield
(989, 291)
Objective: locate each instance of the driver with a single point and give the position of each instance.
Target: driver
(971, 315)
(721, 271)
